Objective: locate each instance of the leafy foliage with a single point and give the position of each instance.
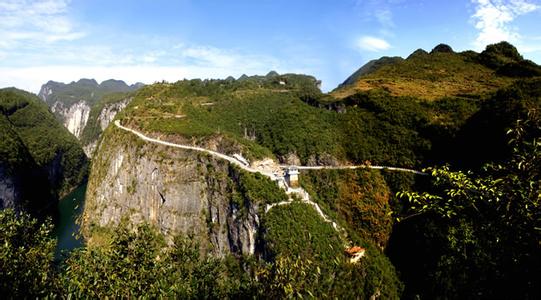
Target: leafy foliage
(486, 224)
(26, 256)
(51, 146)
(282, 120)
(308, 260)
(360, 197)
(482, 138)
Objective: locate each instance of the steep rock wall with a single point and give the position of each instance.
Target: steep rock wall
(177, 191)
(100, 118)
(109, 111)
(74, 117)
(9, 190)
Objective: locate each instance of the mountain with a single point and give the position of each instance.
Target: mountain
(414, 180)
(226, 208)
(72, 103)
(443, 73)
(370, 67)
(41, 161)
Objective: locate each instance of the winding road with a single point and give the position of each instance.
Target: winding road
(252, 170)
(305, 198)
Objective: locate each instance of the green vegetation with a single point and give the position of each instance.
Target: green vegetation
(26, 256)
(272, 119)
(461, 234)
(39, 154)
(482, 228)
(50, 144)
(361, 198)
(256, 188)
(440, 74)
(180, 270)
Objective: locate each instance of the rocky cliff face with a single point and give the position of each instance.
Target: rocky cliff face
(178, 191)
(72, 103)
(9, 192)
(109, 111)
(74, 117)
(100, 117)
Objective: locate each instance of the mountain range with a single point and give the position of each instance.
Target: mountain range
(417, 177)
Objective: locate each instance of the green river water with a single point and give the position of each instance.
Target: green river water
(69, 208)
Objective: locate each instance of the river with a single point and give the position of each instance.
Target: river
(69, 208)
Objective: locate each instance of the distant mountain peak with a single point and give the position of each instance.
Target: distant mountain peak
(272, 74)
(417, 53)
(84, 89)
(456, 74)
(87, 81)
(442, 48)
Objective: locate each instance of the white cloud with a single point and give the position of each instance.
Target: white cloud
(493, 20)
(35, 21)
(370, 43)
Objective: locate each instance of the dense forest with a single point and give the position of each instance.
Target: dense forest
(469, 228)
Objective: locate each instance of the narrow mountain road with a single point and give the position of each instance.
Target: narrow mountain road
(356, 167)
(304, 197)
(252, 170)
(194, 148)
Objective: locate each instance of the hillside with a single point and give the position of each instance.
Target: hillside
(271, 118)
(37, 151)
(265, 187)
(445, 73)
(226, 208)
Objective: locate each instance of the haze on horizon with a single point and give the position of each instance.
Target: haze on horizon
(65, 40)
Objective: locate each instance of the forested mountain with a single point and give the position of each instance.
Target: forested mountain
(417, 178)
(41, 160)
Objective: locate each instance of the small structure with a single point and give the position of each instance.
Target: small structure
(292, 177)
(355, 253)
(241, 159)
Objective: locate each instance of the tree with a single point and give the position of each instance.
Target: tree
(488, 225)
(26, 256)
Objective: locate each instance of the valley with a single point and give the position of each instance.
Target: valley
(415, 178)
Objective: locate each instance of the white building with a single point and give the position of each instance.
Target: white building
(292, 176)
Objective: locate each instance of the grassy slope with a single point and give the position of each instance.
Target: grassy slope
(267, 119)
(431, 76)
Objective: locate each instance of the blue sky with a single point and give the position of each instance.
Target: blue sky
(154, 40)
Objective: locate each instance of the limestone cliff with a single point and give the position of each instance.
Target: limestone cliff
(73, 117)
(101, 115)
(178, 191)
(9, 190)
(109, 111)
(72, 103)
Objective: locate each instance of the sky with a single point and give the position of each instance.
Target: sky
(154, 40)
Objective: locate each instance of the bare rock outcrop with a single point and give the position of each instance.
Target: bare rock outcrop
(177, 191)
